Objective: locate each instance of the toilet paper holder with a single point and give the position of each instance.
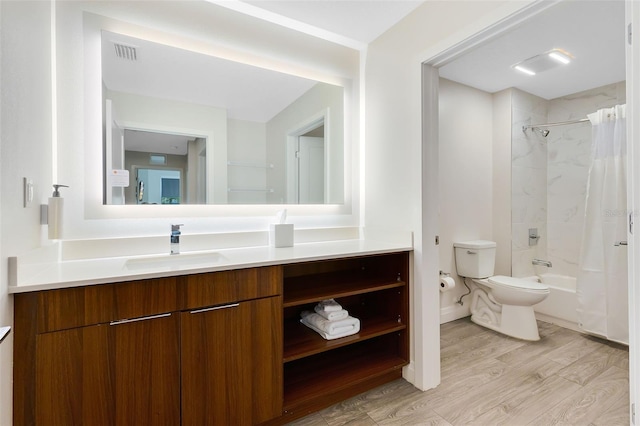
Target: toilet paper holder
(446, 282)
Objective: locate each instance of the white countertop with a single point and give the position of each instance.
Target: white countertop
(75, 273)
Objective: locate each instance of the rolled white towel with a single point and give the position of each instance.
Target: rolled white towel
(331, 315)
(328, 336)
(329, 305)
(330, 327)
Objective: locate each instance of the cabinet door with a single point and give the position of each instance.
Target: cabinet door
(122, 374)
(232, 363)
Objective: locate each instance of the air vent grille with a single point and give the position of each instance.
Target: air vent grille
(126, 52)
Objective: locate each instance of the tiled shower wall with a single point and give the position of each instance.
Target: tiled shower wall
(528, 182)
(549, 177)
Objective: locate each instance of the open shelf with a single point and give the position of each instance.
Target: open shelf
(300, 341)
(313, 288)
(336, 370)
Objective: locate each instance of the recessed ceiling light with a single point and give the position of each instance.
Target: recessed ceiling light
(559, 56)
(543, 62)
(524, 70)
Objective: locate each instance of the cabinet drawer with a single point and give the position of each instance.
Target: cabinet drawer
(76, 307)
(232, 286)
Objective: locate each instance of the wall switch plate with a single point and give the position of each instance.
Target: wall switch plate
(27, 188)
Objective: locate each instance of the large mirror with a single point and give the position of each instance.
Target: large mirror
(181, 127)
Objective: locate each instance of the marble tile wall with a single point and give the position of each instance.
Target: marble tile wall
(528, 182)
(569, 157)
(549, 177)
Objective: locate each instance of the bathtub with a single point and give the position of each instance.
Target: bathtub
(560, 307)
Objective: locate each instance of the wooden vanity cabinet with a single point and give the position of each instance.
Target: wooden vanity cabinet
(78, 359)
(147, 352)
(228, 355)
(109, 375)
(232, 349)
(223, 348)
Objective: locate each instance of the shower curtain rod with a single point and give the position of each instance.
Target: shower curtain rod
(560, 123)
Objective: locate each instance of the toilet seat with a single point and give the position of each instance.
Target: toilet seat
(518, 283)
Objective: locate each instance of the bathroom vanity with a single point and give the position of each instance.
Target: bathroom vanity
(213, 345)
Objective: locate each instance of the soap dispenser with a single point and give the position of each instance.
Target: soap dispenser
(54, 213)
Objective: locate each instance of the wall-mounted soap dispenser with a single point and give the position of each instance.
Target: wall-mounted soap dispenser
(55, 209)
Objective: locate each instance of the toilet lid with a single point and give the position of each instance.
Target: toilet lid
(517, 283)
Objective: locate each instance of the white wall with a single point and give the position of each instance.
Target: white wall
(247, 144)
(25, 149)
(466, 180)
(393, 151)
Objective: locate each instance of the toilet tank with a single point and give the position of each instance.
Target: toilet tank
(475, 259)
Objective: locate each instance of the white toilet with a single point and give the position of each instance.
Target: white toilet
(501, 303)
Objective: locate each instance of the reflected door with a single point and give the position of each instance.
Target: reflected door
(114, 155)
(310, 170)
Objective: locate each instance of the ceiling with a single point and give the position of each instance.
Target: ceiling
(359, 20)
(593, 31)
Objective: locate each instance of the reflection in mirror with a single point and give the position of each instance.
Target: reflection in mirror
(185, 128)
(160, 164)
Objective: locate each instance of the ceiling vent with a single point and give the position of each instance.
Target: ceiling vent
(123, 51)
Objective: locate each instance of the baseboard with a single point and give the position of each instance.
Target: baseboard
(409, 373)
(454, 312)
(558, 321)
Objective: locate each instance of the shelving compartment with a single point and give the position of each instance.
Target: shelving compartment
(319, 372)
(380, 312)
(325, 378)
(312, 282)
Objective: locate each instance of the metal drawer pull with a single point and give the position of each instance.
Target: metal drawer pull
(215, 308)
(125, 321)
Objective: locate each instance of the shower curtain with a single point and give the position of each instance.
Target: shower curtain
(602, 276)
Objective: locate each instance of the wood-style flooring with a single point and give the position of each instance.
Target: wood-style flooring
(566, 378)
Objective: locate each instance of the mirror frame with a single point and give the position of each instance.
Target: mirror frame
(93, 24)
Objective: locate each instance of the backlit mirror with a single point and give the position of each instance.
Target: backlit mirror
(182, 127)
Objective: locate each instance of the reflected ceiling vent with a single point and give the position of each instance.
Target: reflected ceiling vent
(123, 51)
(543, 62)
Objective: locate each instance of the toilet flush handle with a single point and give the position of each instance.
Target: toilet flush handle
(471, 252)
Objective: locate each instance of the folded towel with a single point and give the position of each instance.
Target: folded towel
(331, 315)
(329, 305)
(328, 336)
(330, 327)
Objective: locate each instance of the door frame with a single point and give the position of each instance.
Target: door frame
(449, 50)
(632, 20)
(292, 165)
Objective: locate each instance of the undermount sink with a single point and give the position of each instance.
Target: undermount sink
(174, 260)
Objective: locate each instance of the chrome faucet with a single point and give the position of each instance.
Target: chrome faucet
(175, 238)
(541, 262)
